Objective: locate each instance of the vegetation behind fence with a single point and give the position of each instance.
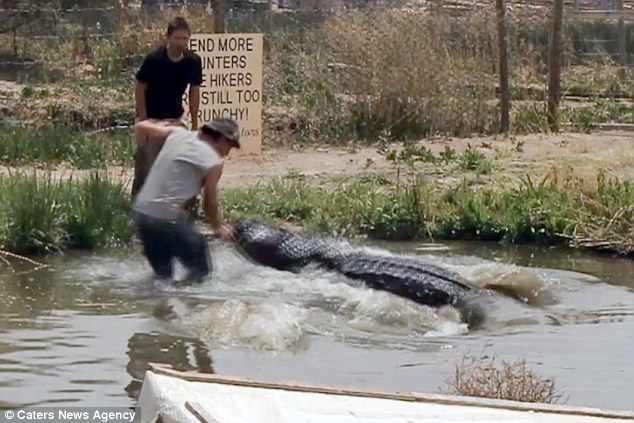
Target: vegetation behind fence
(389, 72)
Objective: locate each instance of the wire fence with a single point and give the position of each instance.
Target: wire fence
(96, 18)
(407, 66)
(58, 10)
(115, 35)
(31, 36)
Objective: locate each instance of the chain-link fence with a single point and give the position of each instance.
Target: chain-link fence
(40, 38)
(350, 68)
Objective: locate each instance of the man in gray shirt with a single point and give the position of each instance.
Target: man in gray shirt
(188, 162)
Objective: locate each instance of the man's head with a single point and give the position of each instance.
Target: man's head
(223, 133)
(178, 33)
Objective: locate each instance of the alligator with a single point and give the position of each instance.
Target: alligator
(409, 277)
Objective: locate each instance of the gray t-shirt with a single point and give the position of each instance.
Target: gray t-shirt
(176, 175)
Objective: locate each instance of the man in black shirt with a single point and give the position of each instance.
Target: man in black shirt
(160, 85)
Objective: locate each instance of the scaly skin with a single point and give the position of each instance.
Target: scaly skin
(407, 277)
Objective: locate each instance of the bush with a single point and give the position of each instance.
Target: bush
(31, 214)
(515, 381)
(96, 213)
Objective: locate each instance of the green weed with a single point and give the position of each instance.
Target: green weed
(41, 214)
(57, 144)
(474, 160)
(548, 211)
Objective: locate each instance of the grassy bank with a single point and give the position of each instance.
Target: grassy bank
(39, 214)
(597, 214)
(57, 144)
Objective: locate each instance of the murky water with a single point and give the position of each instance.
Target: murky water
(82, 332)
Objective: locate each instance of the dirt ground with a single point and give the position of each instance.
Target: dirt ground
(577, 154)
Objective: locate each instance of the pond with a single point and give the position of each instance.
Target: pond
(82, 331)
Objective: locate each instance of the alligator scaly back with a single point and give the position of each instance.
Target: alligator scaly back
(407, 277)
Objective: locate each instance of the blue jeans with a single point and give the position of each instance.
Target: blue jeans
(166, 240)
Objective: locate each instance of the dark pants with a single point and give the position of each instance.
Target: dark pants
(163, 241)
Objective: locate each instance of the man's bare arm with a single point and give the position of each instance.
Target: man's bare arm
(139, 96)
(194, 104)
(212, 208)
(154, 131)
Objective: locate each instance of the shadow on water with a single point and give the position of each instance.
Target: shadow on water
(71, 336)
(179, 352)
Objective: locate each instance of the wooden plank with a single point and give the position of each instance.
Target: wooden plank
(199, 412)
(162, 369)
(613, 126)
(625, 15)
(587, 98)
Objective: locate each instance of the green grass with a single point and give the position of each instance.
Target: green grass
(39, 214)
(55, 144)
(547, 211)
(96, 213)
(412, 154)
(473, 159)
(31, 214)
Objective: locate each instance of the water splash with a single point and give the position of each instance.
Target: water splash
(523, 284)
(248, 306)
(235, 323)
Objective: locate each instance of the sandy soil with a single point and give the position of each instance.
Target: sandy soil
(575, 154)
(578, 154)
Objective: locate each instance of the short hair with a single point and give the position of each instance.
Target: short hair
(176, 24)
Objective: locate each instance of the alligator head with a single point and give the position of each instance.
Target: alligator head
(274, 247)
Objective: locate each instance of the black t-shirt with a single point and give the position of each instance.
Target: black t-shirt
(166, 82)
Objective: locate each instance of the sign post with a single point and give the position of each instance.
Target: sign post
(232, 84)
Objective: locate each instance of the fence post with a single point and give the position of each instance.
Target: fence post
(15, 42)
(621, 34)
(219, 16)
(272, 7)
(505, 96)
(554, 68)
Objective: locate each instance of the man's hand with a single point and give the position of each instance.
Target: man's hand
(225, 232)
